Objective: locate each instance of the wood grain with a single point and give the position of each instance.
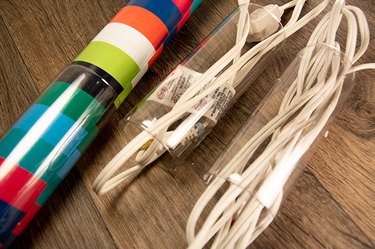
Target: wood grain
(332, 204)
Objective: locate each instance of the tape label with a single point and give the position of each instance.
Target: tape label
(171, 89)
(221, 97)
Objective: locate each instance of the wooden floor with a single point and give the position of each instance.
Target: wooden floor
(332, 204)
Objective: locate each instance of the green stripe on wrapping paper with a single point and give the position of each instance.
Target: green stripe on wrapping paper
(87, 140)
(114, 61)
(118, 101)
(81, 106)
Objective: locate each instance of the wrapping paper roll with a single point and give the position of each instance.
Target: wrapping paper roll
(41, 148)
(134, 38)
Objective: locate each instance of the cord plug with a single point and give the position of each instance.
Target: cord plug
(274, 184)
(264, 22)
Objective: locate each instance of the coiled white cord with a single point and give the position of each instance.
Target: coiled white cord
(255, 191)
(104, 182)
(239, 68)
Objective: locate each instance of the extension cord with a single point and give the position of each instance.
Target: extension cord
(239, 216)
(105, 181)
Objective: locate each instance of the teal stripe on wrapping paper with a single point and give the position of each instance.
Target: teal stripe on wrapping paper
(36, 151)
(195, 5)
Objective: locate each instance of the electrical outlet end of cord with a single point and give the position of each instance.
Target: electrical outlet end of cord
(264, 22)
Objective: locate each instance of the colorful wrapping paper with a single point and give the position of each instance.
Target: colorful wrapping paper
(46, 142)
(135, 37)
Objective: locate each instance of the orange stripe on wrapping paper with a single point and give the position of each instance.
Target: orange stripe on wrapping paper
(156, 55)
(145, 22)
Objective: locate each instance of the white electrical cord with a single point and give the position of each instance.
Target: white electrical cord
(255, 192)
(104, 182)
(212, 81)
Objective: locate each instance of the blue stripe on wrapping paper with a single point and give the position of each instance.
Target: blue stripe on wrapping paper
(58, 128)
(170, 37)
(166, 10)
(9, 217)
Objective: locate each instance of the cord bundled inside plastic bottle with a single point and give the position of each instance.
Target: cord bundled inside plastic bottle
(182, 110)
(251, 176)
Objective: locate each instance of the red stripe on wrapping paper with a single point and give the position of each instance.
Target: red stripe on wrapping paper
(26, 219)
(184, 19)
(145, 22)
(18, 187)
(183, 5)
(156, 55)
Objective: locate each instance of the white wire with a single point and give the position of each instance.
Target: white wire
(312, 96)
(104, 182)
(291, 4)
(305, 109)
(190, 97)
(362, 67)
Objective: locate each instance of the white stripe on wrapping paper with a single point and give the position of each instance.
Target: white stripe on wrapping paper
(129, 40)
(139, 75)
